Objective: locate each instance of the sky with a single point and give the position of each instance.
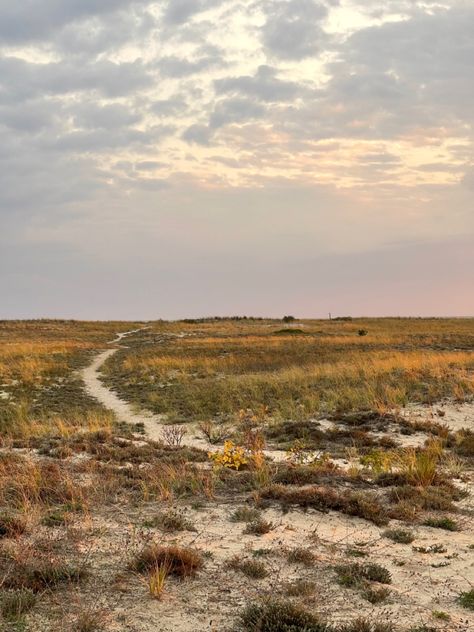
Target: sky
(183, 158)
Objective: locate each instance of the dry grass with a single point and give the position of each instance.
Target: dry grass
(245, 365)
(179, 561)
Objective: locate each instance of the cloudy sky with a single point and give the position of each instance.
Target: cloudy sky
(179, 158)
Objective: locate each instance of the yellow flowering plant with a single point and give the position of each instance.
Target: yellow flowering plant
(232, 456)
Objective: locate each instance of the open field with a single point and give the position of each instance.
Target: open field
(252, 476)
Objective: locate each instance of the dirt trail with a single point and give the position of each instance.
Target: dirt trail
(123, 410)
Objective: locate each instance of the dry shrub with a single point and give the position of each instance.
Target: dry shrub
(355, 574)
(26, 482)
(250, 568)
(11, 525)
(36, 571)
(420, 466)
(173, 435)
(300, 555)
(326, 498)
(434, 498)
(258, 527)
(179, 561)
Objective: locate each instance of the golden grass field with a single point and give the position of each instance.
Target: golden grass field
(301, 477)
(220, 368)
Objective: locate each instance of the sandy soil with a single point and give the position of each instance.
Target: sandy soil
(423, 583)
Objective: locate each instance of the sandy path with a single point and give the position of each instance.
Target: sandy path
(122, 409)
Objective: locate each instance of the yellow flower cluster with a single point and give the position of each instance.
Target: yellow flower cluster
(232, 456)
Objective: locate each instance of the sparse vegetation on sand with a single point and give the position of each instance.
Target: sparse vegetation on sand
(331, 508)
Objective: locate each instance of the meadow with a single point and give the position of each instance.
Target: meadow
(303, 476)
(215, 369)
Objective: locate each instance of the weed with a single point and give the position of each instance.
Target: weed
(180, 561)
(401, 536)
(432, 548)
(173, 435)
(170, 521)
(466, 599)
(448, 524)
(213, 432)
(157, 576)
(15, 603)
(245, 514)
(301, 555)
(375, 595)
(11, 526)
(353, 552)
(232, 456)
(354, 574)
(90, 620)
(258, 527)
(56, 518)
(279, 616)
(325, 498)
(366, 625)
(250, 568)
(441, 615)
(300, 588)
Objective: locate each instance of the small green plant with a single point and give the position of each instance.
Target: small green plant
(355, 574)
(16, 603)
(466, 599)
(448, 524)
(56, 518)
(401, 536)
(300, 555)
(441, 615)
(279, 616)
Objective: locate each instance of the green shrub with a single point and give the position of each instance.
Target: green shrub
(448, 524)
(401, 536)
(355, 574)
(279, 616)
(466, 599)
(15, 603)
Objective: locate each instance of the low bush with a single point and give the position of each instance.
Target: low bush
(466, 599)
(182, 562)
(258, 527)
(11, 525)
(401, 536)
(365, 506)
(300, 555)
(16, 603)
(245, 514)
(279, 616)
(250, 568)
(355, 574)
(448, 524)
(170, 521)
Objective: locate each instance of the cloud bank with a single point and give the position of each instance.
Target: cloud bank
(169, 159)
